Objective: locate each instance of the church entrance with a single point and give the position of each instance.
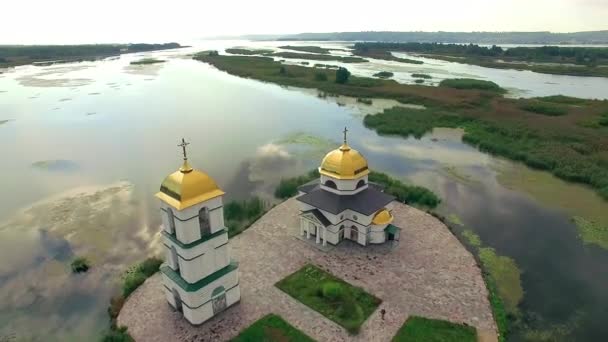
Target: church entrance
(354, 233)
(219, 301)
(177, 300)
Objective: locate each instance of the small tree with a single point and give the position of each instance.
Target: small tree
(282, 71)
(342, 75)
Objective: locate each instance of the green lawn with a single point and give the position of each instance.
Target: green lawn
(421, 329)
(271, 328)
(347, 305)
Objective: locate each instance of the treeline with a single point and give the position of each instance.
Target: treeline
(240, 215)
(44, 52)
(579, 55)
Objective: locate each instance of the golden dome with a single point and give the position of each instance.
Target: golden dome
(382, 217)
(187, 187)
(344, 163)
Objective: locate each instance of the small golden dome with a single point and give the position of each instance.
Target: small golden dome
(344, 163)
(187, 187)
(382, 217)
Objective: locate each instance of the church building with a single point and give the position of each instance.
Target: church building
(343, 204)
(200, 280)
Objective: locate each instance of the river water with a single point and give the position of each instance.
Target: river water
(86, 146)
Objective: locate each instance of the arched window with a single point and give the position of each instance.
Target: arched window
(175, 259)
(360, 184)
(341, 233)
(203, 222)
(331, 184)
(171, 221)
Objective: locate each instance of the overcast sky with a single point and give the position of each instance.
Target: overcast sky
(81, 21)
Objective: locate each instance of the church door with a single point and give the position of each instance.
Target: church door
(219, 303)
(177, 300)
(354, 233)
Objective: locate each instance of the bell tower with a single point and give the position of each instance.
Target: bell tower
(200, 280)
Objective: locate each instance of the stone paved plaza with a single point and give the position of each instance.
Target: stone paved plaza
(428, 273)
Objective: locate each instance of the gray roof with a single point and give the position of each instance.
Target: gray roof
(314, 184)
(319, 215)
(365, 202)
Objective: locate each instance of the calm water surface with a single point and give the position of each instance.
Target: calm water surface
(87, 145)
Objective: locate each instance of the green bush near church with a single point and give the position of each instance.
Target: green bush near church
(272, 328)
(433, 330)
(341, 302)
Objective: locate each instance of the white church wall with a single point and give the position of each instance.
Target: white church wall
(204, 265)
(200, 297)
(222, 257)
(344, 186)
(201, 248)
(187, 227)
(377, 234)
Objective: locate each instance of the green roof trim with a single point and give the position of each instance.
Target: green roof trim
(392, 229)
(194, 243)
(169, 272)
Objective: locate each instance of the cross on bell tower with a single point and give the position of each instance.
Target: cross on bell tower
(185, 166)
(345, 131)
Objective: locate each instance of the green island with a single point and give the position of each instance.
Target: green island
(384, 74)
(147, 61)
(318, 57)
(425, 76)
(559, 144)
(347, 305)
(411, 194)
(272, 328)
(311, 49)
(432, 330)
(469, 83)
(243, 51)
(591, 232)
(14, 55)
(80, 265)
(575, 61)
(365, 51)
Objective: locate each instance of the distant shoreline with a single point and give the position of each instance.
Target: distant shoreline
(44, 55)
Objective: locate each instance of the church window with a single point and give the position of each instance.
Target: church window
(331, 184)
(171, 221)
(360, 184)
(203, 221)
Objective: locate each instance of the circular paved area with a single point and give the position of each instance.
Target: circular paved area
(428, 273)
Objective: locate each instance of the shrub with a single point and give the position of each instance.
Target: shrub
(421, 76)
(332, 290)
(320, 76)
(544, 108)
(342, 75)
(150, 266)
(384, 74)
(80, 264)
(132, 282)
(419, 81)
(117, 335)
(468, 83)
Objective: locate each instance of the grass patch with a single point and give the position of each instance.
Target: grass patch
(136, 275)
(419, 81)
(365, 100)
(80, 265)
(347, 305)
(384, 74)
(311, 49)
(469, 83)
(502, 278)
(472, 238)
(544, 108)
(591, 232)
(385, 55)
(455, 219)
(431, 330)
(147, 61)
(272, 328)
(425, 76)
(240, 215)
